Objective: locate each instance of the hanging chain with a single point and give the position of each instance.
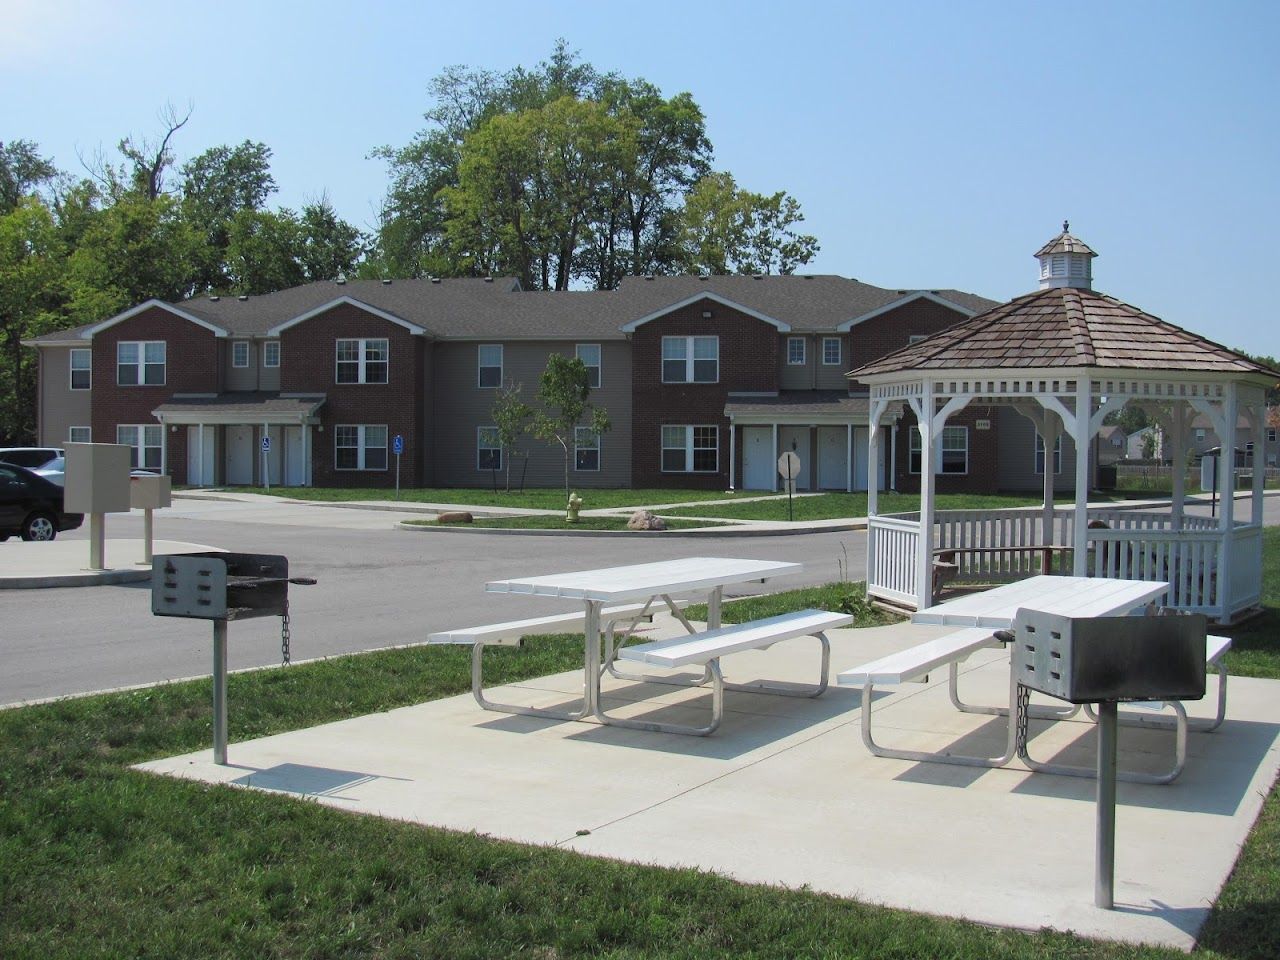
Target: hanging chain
(1024, 715)
(284, 635)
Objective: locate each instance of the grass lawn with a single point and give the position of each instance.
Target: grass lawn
(543, 522)
(541, 499)
(836, 597)
(832, 506)
(99, 861)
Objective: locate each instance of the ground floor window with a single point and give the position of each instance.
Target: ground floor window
(954, 450)
(690, 449)
(359, 447)
(146, 444)
(79, 435)
(586, 449)
(488, 449)
(1057, 454)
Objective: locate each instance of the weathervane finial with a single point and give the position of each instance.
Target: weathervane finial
(1066, 227)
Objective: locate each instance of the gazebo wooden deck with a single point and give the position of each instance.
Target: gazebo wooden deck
(1065, 357)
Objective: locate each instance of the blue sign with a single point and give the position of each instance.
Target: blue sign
(266, 444)
(397, 445)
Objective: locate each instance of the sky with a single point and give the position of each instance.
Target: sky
(930, 145)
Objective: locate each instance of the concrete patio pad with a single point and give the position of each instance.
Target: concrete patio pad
(785, 793)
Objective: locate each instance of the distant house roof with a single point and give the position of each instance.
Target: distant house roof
(1063, 327)
(1110, 432)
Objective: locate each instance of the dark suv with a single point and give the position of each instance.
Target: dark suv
(31, 506)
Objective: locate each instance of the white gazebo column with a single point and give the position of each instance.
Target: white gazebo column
(924, 555)
(1259, 418)
(873, 456)
(848, 458)
(201, 482)
(775, 455)
(733, 451)
(1227, 489)
(1178, 421)
(1048, 430)
(1081, 433)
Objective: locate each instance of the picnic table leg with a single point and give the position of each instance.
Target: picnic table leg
(953, 689)
(1105, 869)
(591, 665)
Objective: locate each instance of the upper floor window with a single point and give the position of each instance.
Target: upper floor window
(831, 351)
(140, 362)
(81, 369)
(489, 360)
(362, 361)
(690, 359)
(1057, 454)
(953, 450)
(1201, 433)
(589, 354)
(271, 353)
(240, 353)
(795, 351)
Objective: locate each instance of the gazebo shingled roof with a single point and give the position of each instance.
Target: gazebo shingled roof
(1065, 327)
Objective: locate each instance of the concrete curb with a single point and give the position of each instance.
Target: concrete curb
(87, 578)
(734, 531)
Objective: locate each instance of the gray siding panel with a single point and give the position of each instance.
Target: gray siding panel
(1017, 447)
(240, 378)
(60, 407)
(460, 407)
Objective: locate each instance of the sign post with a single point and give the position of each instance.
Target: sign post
(789, 470)
(397, 447)
(266, 461)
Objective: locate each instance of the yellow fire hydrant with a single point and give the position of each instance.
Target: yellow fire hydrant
(571, 511)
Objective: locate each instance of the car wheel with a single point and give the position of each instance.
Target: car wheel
(39, 526)
(3, 537)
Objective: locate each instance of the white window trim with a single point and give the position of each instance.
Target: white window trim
(236, 348)
(578, 445)
(916, 448)
(142, 363)
(803, 352)
(71, 435)
(599, 365)
(839, 352)
(266, 356)
(689, 359)
(1037, 455)
(688, 447)
(362, 376)
(496, 445)
(361, 447)
(141, 446)
(71, 368)
(502, 361)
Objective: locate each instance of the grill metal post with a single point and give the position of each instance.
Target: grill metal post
(1104, 879)
(220, 692)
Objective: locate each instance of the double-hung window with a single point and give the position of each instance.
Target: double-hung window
(488, 449)
(690, 359)
(140, 363)
(363, 361)
(953, 450)
(795, 351)
(146, 444)
(589, 354)
(81, 369)
(1057, 454)
(240, 354)
(489, 366)
(831, 351)
(359, 447)
(79, 435)
(586, 449)
(690, 449)
(271, 353)
(1271, 434)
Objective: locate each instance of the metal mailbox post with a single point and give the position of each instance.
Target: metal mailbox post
(1107, 661)
(221, 587)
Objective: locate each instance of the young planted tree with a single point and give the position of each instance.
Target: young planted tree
(563, 393)
(511, 416)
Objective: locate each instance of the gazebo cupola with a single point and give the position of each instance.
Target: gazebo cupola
(1066, 261)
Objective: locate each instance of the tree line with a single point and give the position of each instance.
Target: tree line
(560, 175)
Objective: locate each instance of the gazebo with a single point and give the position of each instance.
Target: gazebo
(1065, 357)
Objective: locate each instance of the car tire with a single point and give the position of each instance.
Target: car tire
(3, 537)
(39, 526)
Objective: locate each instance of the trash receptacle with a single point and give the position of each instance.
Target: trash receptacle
(1106, 476)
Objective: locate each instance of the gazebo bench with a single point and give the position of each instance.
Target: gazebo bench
(706, 648)
(946, 563)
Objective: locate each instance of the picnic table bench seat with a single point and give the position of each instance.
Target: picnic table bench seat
(706, 648)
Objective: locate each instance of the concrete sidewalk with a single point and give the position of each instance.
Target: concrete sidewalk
(786, 793)
(65, 563)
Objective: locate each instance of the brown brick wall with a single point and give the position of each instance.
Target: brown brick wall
(983, 475)
(191, 366)
(892, 331)
(309, 366)
(748, 362)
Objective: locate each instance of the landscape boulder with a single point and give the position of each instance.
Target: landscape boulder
(455, 516)
(644, 520)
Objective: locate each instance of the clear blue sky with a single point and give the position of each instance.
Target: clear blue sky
(930, 144)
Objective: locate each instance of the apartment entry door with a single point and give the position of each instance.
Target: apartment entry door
(200, 464)
(796, 439)
(833, 458)
(295, 465)
(240, 454)
(758, 460)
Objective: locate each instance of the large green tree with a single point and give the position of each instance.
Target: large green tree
(217, 185)
(22, 172)
(726, 229)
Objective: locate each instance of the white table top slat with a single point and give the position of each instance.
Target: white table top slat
(643, 580)
(1069, 596)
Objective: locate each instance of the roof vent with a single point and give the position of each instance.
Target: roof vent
(386, 283)
(902, 293)
(486, 279)
(214, 298)
(703, 276)
(934, 292)
(757, 276)
(808, 276)
(648, 276)
(437, 280)
(243, 297)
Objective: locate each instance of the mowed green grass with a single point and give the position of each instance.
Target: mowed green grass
(833, 506)
(99, 861)
(540, 499)
(545, 522)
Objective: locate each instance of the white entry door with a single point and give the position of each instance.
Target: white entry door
(860, 444)
(833, 458)
(240, 454)
(796, 439)
(200, 464)
(758, 461)
(274, 458)
(295, 465)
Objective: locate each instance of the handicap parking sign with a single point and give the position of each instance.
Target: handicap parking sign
(397, 445)
(266, 444)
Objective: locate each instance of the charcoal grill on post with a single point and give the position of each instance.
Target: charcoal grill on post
(221, 587)
(1107, 661)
